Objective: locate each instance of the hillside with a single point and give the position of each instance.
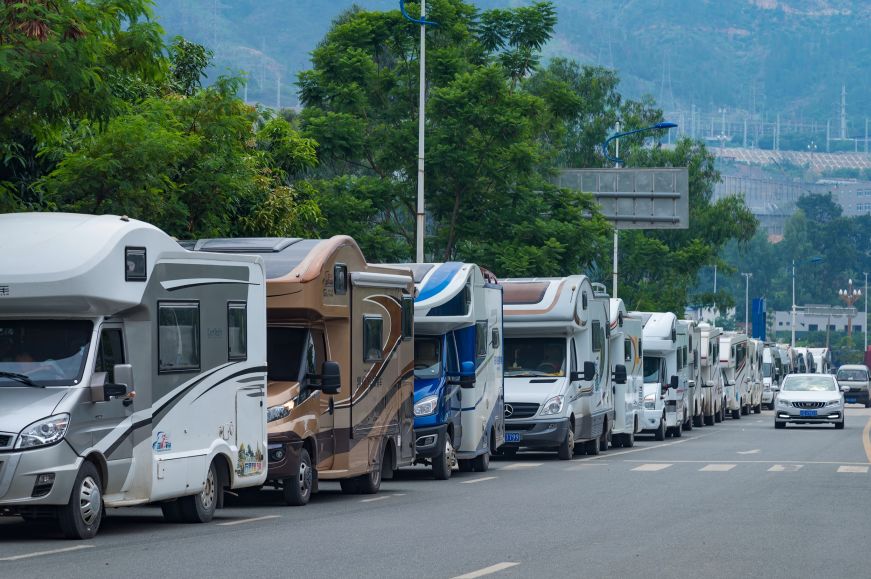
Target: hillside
(768, 56)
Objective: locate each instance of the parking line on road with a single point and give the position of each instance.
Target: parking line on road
(866, 442)
(785, 467)
(853, 469)
(477, 480)
(487, 570)
(251, 520)
(521, 465)
(381, 498)
(717, 468)
(652, 467)
(612, 454)
(41, 553)
(756, 461)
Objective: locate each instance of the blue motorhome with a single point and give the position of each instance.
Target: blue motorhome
(458, 385)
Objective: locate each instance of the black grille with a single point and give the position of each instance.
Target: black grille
(515, 427)
(807, 405)
(520, 409)
(5, 439)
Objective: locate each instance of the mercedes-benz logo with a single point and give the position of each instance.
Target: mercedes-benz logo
(509, 410)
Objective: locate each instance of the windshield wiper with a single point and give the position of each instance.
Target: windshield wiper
(21, 378)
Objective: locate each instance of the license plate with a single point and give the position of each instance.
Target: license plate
(851, 400)
(807, 413)
(512, 437)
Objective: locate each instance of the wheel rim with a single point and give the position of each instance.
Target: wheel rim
(207, 497)
(305, 478)
(90, 501)
(571, 440)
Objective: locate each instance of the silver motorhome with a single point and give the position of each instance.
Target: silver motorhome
(131, 371)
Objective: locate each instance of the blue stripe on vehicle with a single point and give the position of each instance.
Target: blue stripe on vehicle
(439, 280)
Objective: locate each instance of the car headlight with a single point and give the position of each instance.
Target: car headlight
(553, 406)
(782, 402)
(44, 432)
(650, 401)
(426, 406)
(280, 411)
(834, 403)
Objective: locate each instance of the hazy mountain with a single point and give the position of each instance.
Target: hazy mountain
(787, 56)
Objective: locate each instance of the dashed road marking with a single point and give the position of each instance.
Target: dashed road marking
(866, 441)
(487, 570)
(754, 451)
(853, 469)
(521, 465)
(717, 468)
(652, 467)
(477, 480)
(655, 446)
(41, 553)
(585, 466)
(785, 467)
(251, 520)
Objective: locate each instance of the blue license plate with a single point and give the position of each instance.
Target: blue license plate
(512, 437)
(851, 400)
(807, 412)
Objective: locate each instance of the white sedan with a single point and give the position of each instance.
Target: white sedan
(809, 398)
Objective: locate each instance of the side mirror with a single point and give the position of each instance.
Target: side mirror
(467, 374)
(123, 386)
(331, 377)
(775, 388)
(589, 371)
(620, 374)
(674, 382)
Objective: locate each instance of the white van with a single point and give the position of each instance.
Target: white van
(557, 372)
(665, 375)
(754, 354)
(695, 395)
(735, 365)
(132, 371)
(625, 348)
(713, 400)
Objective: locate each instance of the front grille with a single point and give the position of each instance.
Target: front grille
(808, 405)
(515, 427)
(520, 409)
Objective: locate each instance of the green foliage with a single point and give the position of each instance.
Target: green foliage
(188, 64)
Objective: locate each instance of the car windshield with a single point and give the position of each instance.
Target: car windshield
(652, 365)
(284, 352)
(808, 384)
(535, 357)
(853, 375)
(48, 352)
(766, 369)
(427, 356)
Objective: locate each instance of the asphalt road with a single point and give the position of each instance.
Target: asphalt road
(738, 499)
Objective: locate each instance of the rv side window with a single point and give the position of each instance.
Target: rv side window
(453, 360)
(110, 352)
(340, 279)
(627, 350)
(574, 357)
(372, 328)
(407, 317)
(481, 339)
(740, 354)
(596, 329)
(237, 331)
(178, 340)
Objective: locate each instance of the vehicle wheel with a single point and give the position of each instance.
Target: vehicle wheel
(297, 491)
(628, 440)
(481, 463)
(698, 420)
(660, 432)
(592, 447)
(80, 518)
(839, 425)
(171, 512)
(779, 425)
(758, 408)
(736, 414)
(709, 420)
(677, 432)
(688, 425)
(718, 415)
(605, 439)
(867, 404)
(507, 452)
(366, 484)
(444, 462)
(200, 508)
(567, 449)
(745, 409)
(466, 465)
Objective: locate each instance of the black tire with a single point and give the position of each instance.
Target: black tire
(605, 439)
(481, 463)
(688, 425)
(171, 512)
(200, 508)
(628, 440)
(298, 490)
(709, 420)
(466, 465)
(661, 431)
(677, 431)
(566, 448)
(365, 484)
(779, 425)
(745, 409)
(720, 416)
(839, 425)
(867, 404)
(80, 518)
(736, 414)
(698, 421)
(758, 408)
(443, 463)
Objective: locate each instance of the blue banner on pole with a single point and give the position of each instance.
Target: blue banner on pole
(758, 318)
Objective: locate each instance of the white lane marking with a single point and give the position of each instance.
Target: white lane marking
(756, 462)
(477, 480)
(521, 465)
(652, 467)
(381, 498)
(854, 469)
(611, 454)
(754, 451)
(717, 468)
(251, 520)
(585, 466)
(41, 553)
(866, 442)
(785, 467)
(487, 570)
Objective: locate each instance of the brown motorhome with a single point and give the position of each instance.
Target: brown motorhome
(341, 359)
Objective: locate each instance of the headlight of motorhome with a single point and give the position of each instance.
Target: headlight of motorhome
(44, 432)
(426, 406)
(553, 406)
(650, 401)
(280, 411)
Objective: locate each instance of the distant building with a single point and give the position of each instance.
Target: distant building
(805, 322)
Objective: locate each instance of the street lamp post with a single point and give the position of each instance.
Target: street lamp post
(865, 323)
(617, 160)
(747, 277)
(850, 296)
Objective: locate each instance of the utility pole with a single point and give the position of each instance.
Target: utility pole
(747, 277)
(616, 231)
(792, 324)
(865, 323)
(843, 112)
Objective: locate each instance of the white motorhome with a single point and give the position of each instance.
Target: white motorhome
(625, 348)
(665, 375)
(711, 376)
(770, 375)
(734, 363)
(557, 371)
(754, 374)
(695, 396)
(822, 360)
(132, 371)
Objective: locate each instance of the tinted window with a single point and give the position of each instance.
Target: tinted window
(535, 357)
(110, 352)
(178, 340)
(596, 330)
(237, 337)
(427, 356)
(627, 350)
(407, 317)
(284, 352)
(481, 339)
(372, 328)
(652, 365)
(49, 352)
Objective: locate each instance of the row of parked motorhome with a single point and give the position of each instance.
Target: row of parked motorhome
(136, 369)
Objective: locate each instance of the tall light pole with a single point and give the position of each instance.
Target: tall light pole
(421, 211)
(617, 160)
(747, 277)
(850, 296)
(865, 323)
